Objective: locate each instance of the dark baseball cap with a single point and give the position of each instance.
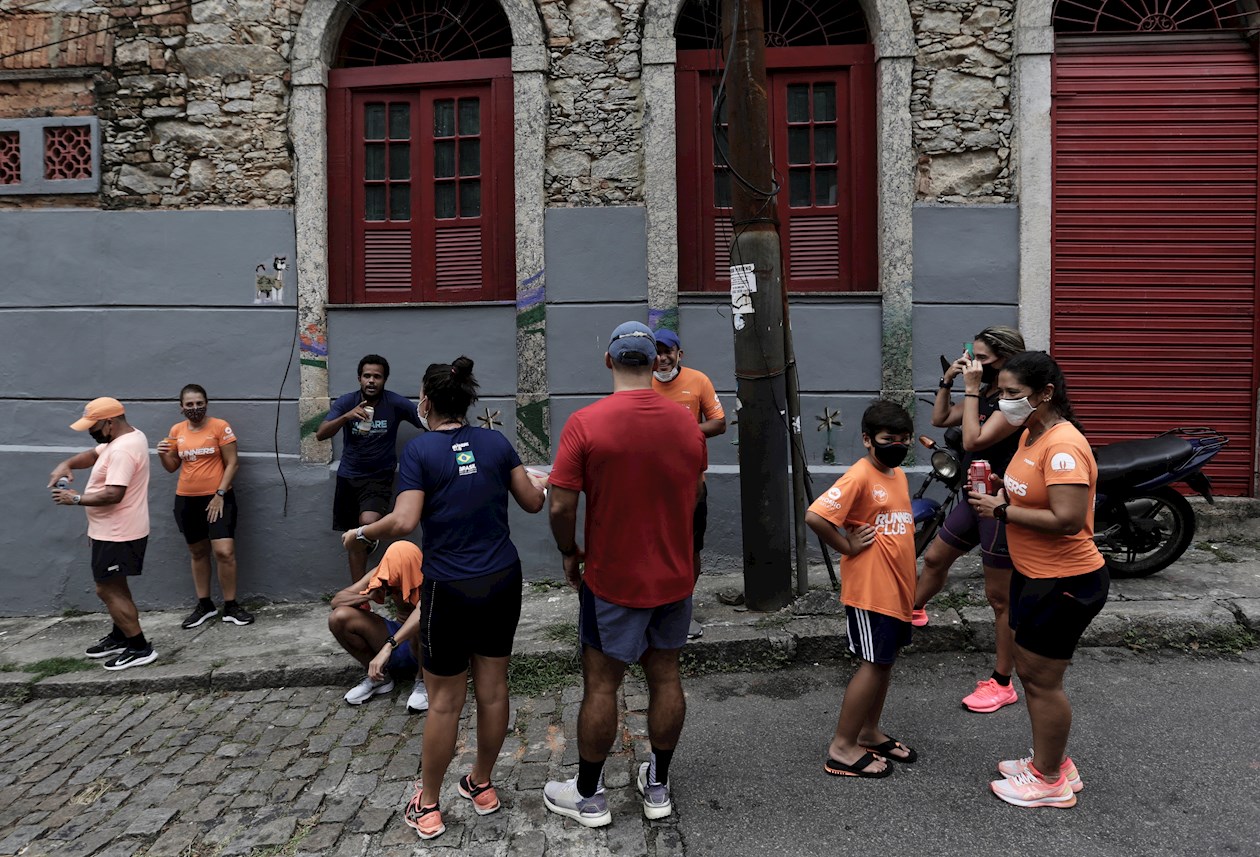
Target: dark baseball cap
(668, 338)
(632, 344)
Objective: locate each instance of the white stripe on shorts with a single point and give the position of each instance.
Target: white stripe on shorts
(865, 648)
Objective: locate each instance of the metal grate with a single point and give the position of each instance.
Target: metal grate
(10, 157)
(1148, 16)
(387, 32)
(789, 23)
(68, 152)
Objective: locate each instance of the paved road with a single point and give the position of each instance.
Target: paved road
(1165, 744)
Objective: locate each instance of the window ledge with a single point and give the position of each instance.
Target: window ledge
(421, 305)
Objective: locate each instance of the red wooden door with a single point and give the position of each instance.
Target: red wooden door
(1154, 239)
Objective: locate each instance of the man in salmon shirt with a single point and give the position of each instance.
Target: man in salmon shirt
(117, 505)
(635, 592)
(694, 391)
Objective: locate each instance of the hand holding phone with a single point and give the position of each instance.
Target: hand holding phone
(971, 352)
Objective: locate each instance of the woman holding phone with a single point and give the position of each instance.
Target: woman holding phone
(203, 449)
(985, 435)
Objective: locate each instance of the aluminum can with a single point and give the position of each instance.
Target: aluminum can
(978, 475)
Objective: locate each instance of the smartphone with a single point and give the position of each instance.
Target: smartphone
(971, 354)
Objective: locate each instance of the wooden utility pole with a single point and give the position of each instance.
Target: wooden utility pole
(760, 364)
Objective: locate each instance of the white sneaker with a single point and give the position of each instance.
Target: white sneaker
(562, 797)
(419, 699)
(656, 802)
(366, 689)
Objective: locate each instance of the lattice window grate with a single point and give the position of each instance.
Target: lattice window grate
(789, 23)
(389, 32)
(68, 153)
(10, 157)
(1148, 16)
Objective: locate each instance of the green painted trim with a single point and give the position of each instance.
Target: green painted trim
(532, 320)
(317, 362)
(311, 425)
(531, 429)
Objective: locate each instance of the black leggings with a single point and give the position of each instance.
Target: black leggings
(474, 616)
(1049, 614)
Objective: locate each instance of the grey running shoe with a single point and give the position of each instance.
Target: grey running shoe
(132, 658)
(563, 798)
(366, 689)
(237, 615)
(106, 647)
(198, 615)
(656, 802)
(695, 630)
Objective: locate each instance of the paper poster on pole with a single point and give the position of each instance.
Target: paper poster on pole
(743, 284)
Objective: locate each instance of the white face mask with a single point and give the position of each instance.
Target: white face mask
(424, 421)
(666, 377)
(1016, 411)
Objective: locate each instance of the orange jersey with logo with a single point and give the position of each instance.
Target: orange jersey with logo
(882, 577)
(1061, 456)
(694, 391)
(201, 463)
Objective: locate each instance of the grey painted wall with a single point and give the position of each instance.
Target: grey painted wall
(596, 254)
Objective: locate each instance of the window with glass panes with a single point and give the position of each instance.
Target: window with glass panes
(822, 113)
(420, 183)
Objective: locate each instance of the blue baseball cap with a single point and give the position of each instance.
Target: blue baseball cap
(668, 338)
(632, 344)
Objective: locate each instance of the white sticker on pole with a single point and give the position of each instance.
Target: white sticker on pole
(743, 284)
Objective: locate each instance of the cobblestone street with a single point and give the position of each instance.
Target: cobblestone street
(292, 772)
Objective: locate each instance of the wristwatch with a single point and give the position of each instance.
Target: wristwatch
(567, 553)
(393, 644)
(76, 499)
(999, 512)
(221, 492)
(944, 384)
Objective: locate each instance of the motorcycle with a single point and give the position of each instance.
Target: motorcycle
(1142, 524)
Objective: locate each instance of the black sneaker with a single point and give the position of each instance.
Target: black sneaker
(106, 647)
(132, 658)
(237, 615)
(199, 615)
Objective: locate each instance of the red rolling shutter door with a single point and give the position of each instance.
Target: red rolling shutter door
(1154, 240)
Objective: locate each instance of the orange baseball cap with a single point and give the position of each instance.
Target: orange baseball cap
(97, 410)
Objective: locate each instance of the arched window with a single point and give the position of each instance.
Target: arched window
(821, 88)
(1148, 16)
(420, 154)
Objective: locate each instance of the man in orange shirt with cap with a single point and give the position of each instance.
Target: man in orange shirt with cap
(117, 505)
(694, 391)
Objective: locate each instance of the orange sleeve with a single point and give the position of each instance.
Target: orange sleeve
(1068, 462)
(709, 404)
(836, 502)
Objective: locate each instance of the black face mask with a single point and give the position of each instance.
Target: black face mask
(194, 415)
(98, 436)
(890, 454)
(988, 374)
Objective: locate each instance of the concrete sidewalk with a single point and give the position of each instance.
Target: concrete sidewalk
(1210, 600)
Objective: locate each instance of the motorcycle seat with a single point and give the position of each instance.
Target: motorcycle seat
(1132, 462)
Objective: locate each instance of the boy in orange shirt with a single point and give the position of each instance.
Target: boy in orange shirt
(871, 501)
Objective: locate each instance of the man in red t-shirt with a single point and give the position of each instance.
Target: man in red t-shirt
(636, 586)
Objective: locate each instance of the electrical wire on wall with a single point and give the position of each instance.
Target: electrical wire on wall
(288, 365)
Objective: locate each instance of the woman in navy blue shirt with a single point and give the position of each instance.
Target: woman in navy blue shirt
(454, 481)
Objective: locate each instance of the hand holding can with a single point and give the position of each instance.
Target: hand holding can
(979, 475)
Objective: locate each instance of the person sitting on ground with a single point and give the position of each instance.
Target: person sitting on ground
(364, 634)
(871, 501)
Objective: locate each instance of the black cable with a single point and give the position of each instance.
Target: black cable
(279, 397)
(718, 98)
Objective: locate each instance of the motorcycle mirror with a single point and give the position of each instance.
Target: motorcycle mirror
(944, 364)
(927, 441)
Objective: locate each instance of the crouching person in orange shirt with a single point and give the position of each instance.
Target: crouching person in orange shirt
(871, 501)
(373, 640)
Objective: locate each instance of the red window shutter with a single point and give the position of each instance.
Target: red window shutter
(420, 183)
(815, 248)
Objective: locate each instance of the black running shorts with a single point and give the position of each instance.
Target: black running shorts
(1049, 614)
(462, 618)
(114, 558)
(190, 517)
(373, 493)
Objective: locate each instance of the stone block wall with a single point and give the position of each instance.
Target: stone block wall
(961, 100)
(595, 120)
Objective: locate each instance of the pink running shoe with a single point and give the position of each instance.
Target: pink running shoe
(989, 696)
(1028, 789)
(918, 618)
(1014, 767)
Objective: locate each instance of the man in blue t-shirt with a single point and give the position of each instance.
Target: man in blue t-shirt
(368, 420)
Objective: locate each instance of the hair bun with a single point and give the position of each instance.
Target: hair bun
(461, 367)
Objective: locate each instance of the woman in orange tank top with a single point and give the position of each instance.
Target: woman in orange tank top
(1060, 581)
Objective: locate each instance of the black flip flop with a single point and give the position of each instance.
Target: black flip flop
(858, 769)
(894, 744)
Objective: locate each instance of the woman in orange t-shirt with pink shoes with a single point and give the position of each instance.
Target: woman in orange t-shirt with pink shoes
(1060, 580)
(205, 506)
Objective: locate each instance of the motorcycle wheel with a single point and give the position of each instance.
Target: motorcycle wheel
(1162, 512)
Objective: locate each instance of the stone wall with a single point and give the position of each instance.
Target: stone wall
(595, 121)
(960, 103)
